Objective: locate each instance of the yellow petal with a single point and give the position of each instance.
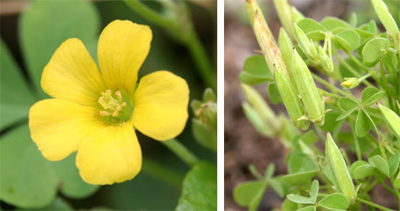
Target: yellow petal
(58, 127)
(161, 105)
(122, 49)
(112, 154)
(72, 74)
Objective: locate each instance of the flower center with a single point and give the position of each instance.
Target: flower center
(117, 107)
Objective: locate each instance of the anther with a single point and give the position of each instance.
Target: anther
(119, 95)
(104, 113)
(115, 114)
(123, 104)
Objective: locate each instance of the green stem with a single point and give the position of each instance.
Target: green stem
(199, 55)
(358, 150)
(181, 151)
(352, 70)
(162, 173)
(149, 14)
(372, 204)
(396, 191)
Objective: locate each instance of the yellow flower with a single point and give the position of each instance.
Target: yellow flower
(96, 112)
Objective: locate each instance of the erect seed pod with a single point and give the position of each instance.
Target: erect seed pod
(308, 91)
(268, 125)
(388, 22)
(338, 166)
(286, 46)
(306, 44)
(291, 99)
(285, 15)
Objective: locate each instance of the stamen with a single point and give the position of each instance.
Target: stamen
(104, 113)
(115, 114)
(113, 106)
(119, 95)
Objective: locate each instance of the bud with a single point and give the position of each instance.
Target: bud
(306, 44)
(204, 124)
(291, 99)
(309, 94)
(259, 113)
(350, 83)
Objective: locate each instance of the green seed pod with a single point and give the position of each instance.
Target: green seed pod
(338, 166)
(306, 44)
(253, 9)
(391, 118)
(307, 90)
(297, 15)
(269, 124)
(285, 15)
(286, 46)
(291, 99)
(385, 17)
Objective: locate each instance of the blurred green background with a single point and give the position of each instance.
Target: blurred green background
(26, 33)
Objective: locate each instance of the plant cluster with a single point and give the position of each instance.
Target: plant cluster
(361, 134)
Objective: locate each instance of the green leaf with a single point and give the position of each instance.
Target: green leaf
(273, 93)
(255, 70)
(300, 162)
(363, 124)
(348, 40)
(368, 93)
(72, 185)
(308, 208)
(392, 119)
(299, 178)
(248, 193)
(288, 205)
(300, 199)
(381, 164)
(269, 172)
(394, 162)
(339, 169)
(397, 181)
(314, 190)
(199, 188)
(15, 96)
(371, 52)
(27, 178)
(59, 204)
(363, 171)
(46, 24)
(347, 103)
(334, 201)
(312, 28)
(334, 24)
(278, 186)
(30, 181)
